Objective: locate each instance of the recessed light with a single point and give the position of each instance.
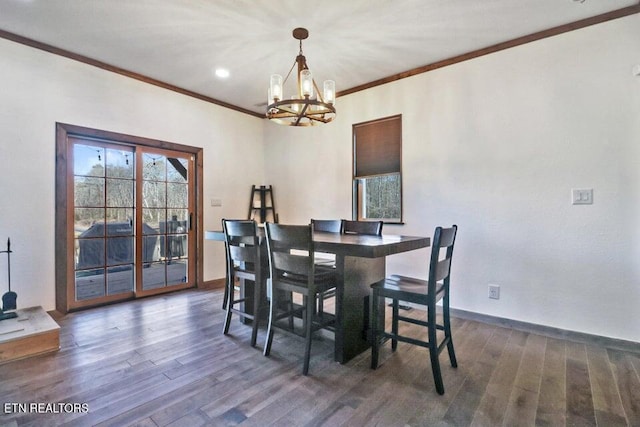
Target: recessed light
(222, 73)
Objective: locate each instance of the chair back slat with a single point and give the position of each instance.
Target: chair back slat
(239, 228)
(241, 243)
(447, 237)
(289, 237)
(443, 268)
(281, 241)
(242, 253)
(291, 263)
(371, 228)
(327, 225)
(440, 269)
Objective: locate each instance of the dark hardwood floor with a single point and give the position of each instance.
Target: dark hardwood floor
(163, 361)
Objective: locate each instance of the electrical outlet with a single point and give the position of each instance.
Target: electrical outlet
(582, 196)
(494, 291)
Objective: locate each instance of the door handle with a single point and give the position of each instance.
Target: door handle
(190, 221)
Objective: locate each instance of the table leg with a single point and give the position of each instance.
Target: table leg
(353, 300)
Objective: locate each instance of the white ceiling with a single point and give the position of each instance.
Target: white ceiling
(351, 41)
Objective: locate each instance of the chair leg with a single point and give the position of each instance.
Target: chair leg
(321, 303)
(257, 298)
(308, 323)
(447, 333)
(290, 308)
(273, 304)
(374, 330)
(433, 350)
(229, 305)
(394, 324)
(226, 296)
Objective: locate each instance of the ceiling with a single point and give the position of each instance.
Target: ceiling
(355, 42)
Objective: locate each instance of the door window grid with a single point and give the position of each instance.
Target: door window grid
(103, 221)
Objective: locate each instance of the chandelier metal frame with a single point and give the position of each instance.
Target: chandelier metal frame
(303, 110)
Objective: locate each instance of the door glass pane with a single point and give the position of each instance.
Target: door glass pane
(154, 194)
(177, 271)
(176, 246)
(180, 218)
(120, 250)
(150, 249)
(88, 160)
(120, 279)
(90, 252)
(84, 218)
(153, 276)
(152, 218)
(119, 163)
(119, 192)
(177, 195)
(177, 170)
(154, 167)
(120, 222)
(88, 191)
(89, 284)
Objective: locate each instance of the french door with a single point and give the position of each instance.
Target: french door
(130, 215)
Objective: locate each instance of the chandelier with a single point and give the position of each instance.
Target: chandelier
(302, 109)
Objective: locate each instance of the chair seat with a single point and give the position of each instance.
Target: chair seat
(324, 278)
(325, 262)
(408, 289)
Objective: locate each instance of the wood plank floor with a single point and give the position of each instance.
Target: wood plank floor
(163, 361)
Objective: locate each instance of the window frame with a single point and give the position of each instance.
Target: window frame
(392, 167)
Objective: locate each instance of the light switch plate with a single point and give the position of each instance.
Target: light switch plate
(216, 202)
(582, 196)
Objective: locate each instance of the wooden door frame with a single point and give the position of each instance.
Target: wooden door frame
(64, 176)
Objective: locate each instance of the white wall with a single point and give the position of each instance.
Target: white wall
(39, 89)
(495, 145)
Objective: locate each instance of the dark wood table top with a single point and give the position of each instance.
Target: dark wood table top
(356, 244)
(367, 246)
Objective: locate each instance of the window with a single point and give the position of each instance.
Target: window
(377, 174)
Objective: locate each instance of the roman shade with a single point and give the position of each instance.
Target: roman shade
(377, 147)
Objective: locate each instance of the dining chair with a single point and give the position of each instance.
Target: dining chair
(423, 292)
(371, 228)
(292, 268)
(322, 260)
(242, 247)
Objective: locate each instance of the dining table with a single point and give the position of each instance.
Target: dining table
(360, 262)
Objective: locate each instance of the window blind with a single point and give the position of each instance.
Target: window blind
(377, 147)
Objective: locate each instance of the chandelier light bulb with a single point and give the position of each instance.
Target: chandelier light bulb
(306, 83)
(276, 87)
(329, 92)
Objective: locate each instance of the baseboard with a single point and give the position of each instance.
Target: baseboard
(549, 331)
(212, 284)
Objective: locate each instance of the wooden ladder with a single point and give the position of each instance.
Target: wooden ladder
(261, 202)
